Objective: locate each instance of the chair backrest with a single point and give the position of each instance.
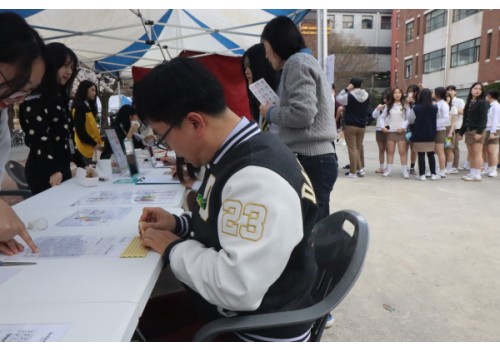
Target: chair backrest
(340, 256)
(16, 172)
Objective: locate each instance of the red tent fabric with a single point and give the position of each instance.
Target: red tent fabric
(227, 70)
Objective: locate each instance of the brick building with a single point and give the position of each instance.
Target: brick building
(439, 47)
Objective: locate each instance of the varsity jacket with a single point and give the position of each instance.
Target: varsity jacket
(247, 248)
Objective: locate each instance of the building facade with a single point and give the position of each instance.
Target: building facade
(440, 47)
(372, 31)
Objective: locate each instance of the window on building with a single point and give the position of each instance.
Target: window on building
(348, 21)
(416, 65)
(461, 14)
(409, 31)
(489, 39)
(434, 61)
(367, 22)
(417, 29)
(397, 19)
(385, 22)
(397, 50)
(465, 53)
(408, 68)
(331, 21)
(435, 20)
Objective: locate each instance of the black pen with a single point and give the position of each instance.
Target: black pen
(15, 263)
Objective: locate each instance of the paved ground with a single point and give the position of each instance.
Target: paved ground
(433, 267)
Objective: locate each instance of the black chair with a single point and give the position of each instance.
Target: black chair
(16, 171)
(340, 258)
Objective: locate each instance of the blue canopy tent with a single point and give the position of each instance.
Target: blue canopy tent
(113, 40)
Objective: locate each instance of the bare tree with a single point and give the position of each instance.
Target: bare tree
(351, 57)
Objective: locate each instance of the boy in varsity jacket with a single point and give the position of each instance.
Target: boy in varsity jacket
(246, 248)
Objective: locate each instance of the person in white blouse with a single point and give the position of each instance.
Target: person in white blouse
(442, 122)
(380, 136)
(492, 128)
(395, 125)
(458, 119)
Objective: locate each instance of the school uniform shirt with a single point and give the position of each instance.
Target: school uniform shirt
(493, 123)
(443, 115)
(246, 248)
(396, 117)
(459, 104)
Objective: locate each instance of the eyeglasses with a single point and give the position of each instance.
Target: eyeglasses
(160, 141)
(12, 95)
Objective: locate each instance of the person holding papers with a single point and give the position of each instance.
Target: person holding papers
(23, 57)
(304, 115)
(246, 247)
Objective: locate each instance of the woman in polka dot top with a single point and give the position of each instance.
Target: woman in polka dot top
(47, 122)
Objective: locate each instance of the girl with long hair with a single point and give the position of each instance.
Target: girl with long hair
(491, 139)
(474, 129)
(442, 125)
(423, 118)
(48, 125)
(380, 136)
(395, 125)
(84, 110)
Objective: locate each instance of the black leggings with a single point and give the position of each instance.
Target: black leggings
(421, 163)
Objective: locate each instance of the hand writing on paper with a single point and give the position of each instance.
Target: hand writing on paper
(157, 219)
(158, 240)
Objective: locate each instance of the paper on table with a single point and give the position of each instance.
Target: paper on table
(128, 197)
(78, 246)
(263, 92)
(94, 217)
(36, 332)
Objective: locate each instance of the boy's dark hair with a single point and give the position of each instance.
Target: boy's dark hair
(283, 36)
(356, 82)
(451, 87)
(175, 88)
(440, 92)
(493, 93)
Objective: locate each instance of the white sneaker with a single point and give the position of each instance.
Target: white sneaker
(352, 176)
(361, 172)
(435, 177)
(428, 173)
(442, 174)
(386, 173)
(329, 321)
(454, 171)
(421, 177)
(406, 174)
(493, 173)
(471, 177)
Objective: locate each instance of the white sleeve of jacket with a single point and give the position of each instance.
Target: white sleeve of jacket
(342, 97)
(259, 225)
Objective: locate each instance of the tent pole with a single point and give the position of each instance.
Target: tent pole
(321, 37)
